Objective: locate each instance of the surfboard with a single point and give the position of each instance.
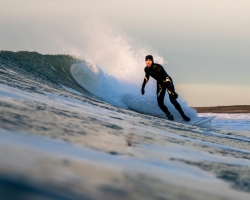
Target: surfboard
(197, 121)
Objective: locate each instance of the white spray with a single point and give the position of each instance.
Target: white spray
(114, 69)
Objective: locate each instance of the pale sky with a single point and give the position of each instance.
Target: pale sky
(205, 43)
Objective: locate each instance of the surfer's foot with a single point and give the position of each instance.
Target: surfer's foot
(186, 118)
(170, 117)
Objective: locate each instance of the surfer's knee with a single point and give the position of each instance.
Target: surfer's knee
(173, 100)
(160, 103)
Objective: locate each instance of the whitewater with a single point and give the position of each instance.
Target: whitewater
(75, 126)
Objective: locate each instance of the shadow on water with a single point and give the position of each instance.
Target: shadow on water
(14, 189)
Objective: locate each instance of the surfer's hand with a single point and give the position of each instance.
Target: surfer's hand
(168, 82)
(142, 91)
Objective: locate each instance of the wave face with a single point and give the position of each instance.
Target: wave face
(34, 71)
(55, 72)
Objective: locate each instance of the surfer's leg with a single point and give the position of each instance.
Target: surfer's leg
(178, 107)
(160, 98)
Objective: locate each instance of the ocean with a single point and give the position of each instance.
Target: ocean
(74, 129)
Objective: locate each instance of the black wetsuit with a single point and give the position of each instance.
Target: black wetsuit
(164, 82)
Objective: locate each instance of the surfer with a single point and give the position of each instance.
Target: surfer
(164, 82)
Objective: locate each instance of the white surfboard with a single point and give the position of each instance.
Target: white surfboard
(197, 121)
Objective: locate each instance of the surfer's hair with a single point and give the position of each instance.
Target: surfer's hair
(150, 57)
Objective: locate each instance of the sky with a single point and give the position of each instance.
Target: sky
(205, 44)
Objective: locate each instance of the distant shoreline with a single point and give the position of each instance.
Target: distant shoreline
(224, 109)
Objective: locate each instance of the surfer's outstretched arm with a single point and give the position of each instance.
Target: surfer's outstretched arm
(145, 80)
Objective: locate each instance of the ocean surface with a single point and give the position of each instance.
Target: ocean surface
(73, 129)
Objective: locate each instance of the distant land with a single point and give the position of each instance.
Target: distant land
(224, 109)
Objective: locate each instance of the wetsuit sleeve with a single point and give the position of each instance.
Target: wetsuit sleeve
(145, 80)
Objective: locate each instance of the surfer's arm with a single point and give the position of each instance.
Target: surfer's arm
(145, 80)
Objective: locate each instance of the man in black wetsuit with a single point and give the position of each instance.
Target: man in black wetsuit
(164, 82)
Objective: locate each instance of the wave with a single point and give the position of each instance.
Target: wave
(64, 71)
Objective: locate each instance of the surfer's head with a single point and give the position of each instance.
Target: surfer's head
(149, 60)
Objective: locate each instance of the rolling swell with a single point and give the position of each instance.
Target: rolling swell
(34, 72)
